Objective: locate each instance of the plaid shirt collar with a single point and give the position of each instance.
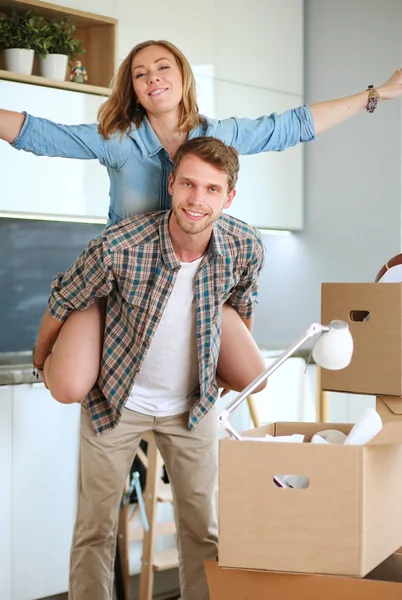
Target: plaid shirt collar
(216, 245)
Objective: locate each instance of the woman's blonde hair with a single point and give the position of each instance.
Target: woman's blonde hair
(121, 110)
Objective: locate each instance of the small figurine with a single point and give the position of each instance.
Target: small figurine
(78, 73)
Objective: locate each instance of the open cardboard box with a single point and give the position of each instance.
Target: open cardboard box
(346, 522)
(237, 584)
(389, 408)
(373, 312)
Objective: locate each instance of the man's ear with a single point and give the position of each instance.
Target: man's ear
(170, 184)
(229, 199)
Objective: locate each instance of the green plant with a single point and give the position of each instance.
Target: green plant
(21, 30)
(58, 38)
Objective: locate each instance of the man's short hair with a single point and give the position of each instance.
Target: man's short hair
(212, 151)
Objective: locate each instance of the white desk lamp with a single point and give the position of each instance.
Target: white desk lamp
(332, 350)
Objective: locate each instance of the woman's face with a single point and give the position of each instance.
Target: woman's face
(158, 84)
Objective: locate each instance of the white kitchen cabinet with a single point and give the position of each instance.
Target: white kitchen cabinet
(261, 44)
(270, 186)
(45, 442)
(52, 186)
(5, 491)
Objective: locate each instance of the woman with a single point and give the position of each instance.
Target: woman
(150, 112)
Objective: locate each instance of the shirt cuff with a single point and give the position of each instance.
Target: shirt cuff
(58, 310)
(307, 129)
(246, 311)
(25, 134)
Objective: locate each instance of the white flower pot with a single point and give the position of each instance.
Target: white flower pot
(54, 66)
(19, 60)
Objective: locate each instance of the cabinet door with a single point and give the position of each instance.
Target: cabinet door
(45, 462)
(5, 491)
(52, 186)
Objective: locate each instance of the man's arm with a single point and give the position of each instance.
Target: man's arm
(48, 332)
(241, 301)
(244, 295)
(248, 322)
(89, 278)
(231, 337)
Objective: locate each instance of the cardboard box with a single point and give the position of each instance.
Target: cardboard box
(237, 584)
(389, 408)
(345, 523)
(373, 312)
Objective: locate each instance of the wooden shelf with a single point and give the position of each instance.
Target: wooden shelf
(53, 83)
(98, 34)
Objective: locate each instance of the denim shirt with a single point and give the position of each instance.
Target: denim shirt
(139, 166)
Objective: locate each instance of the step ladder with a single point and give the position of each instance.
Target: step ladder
(156, 491)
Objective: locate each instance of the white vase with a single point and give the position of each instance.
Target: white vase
(54, 66)
(19, 60)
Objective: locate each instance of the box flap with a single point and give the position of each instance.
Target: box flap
(291, 427)
(260, 431)
(391, 433)
(393, 403)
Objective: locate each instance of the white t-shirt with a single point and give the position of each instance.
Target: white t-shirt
(169, 374)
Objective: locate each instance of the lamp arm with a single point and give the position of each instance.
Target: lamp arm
(224, 415)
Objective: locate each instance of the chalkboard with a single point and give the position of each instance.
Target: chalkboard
(31, 254)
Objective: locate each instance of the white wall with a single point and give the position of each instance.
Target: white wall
(352, 173)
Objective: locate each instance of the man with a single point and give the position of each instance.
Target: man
(166, 276)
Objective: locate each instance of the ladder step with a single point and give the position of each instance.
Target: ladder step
(166, 559)
(165, 493)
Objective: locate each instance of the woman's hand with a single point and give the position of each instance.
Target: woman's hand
(391, 88)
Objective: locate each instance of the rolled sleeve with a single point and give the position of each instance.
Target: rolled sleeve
(307, 129)
(89, 278)
(56, 307)
(244, 296)
(274, 132)
(43, 137)
(25, 133)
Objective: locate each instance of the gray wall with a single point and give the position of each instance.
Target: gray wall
(352, 173)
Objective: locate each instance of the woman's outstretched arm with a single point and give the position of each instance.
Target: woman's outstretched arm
(10, 124)
(331, 113)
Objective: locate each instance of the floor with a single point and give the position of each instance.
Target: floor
(166, 585)
(159, 597)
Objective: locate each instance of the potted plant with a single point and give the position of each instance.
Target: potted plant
(57, 45)
(20, 37)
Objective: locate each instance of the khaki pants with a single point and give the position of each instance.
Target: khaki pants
(190, 458)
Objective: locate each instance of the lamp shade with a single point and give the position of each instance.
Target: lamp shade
(334, 349)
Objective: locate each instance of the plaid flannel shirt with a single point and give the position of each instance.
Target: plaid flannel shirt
(133, 264)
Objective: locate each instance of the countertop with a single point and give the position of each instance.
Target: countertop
(16, 367)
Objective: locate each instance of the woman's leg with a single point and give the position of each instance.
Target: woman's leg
(240, 360)
(73, 367)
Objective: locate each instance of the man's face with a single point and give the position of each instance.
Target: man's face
(199, 194)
